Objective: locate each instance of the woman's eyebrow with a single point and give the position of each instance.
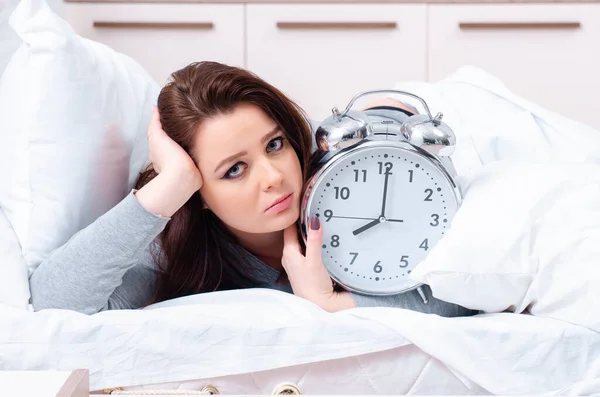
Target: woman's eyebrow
(264, 139)
(228, 159)
(269, 134)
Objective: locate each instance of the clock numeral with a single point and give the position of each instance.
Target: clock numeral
(377, 268)
(354, 254)
(436, 220)
(410, 175)
(425, 244)
(404, 261)
(342, 193)
(328, 214)
(357, 174)
(335, 241)
(388, 167)
(429, 194)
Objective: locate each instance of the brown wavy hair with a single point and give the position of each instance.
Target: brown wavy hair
(198, 253)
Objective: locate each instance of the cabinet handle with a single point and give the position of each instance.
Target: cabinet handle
(152, 25)
(337, 25)
(518, 25)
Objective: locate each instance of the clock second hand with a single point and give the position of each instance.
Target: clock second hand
(353, 217)
(366, 219)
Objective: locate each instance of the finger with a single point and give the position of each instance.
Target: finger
(201, 181)
(151, 121)
(290, 238)
(314, 239)
(155, 125)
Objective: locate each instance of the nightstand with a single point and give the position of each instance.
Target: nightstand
(45, 383)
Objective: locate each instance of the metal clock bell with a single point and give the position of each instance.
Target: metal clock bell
(385, 193)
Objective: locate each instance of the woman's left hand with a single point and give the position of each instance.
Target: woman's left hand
(307, 274)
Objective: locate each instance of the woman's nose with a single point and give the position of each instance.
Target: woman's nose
(271, 176)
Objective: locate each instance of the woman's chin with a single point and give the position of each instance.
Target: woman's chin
(282, 221)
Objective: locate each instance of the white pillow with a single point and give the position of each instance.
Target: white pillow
(492, 123)
(9, 41)
(14, 285)
(75, 115)
(526, 238)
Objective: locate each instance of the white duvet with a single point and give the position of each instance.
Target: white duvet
(248, 331)
(228, 334)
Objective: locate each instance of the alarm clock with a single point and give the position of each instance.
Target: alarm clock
(385, 194)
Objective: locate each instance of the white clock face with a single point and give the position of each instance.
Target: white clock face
(382, 209)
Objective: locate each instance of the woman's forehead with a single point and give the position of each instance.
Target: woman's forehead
(227, 134)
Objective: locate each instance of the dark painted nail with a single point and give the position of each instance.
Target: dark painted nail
(315, 223)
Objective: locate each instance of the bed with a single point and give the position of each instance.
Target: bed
(220, 340)
(522, 249)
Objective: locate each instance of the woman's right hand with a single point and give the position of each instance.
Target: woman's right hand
(168, 157)
(178, 177)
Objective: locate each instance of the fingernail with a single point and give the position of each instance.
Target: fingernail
(315, 223)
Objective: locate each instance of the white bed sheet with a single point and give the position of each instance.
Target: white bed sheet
(221, 334)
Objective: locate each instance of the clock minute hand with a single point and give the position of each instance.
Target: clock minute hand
(382, 216)
(385, 186)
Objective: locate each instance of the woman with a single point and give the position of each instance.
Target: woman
(218, 209)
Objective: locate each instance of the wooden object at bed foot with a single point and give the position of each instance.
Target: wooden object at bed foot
(45, 383)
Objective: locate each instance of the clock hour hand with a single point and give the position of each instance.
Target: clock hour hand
(366, 227)
(373, 223)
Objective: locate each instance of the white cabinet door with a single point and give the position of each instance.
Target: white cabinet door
(545, 53)
(322, 55)
(164, 37)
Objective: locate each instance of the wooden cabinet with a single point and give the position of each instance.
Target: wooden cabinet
(322, 55)
(544, 53)
(164, 37)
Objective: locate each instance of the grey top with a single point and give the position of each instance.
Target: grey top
(108, 265)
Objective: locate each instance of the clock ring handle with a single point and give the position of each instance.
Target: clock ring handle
(390, 91)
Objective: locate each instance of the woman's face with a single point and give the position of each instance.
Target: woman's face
(252, 175)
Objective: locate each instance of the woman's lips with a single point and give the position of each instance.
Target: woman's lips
(281, 203)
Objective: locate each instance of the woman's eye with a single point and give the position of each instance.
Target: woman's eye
(236, 171)
(275, 144)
